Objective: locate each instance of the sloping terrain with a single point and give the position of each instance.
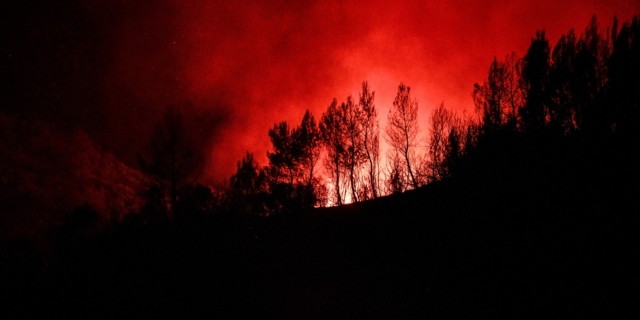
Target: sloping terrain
(547, 238)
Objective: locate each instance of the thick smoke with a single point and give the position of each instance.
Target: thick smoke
(236, 67)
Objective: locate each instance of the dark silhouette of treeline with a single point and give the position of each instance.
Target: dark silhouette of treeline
(527, 207)
(583, 91)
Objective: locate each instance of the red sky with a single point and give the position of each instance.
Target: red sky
(237, 67)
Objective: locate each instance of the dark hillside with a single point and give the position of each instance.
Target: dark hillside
(555, 238)
(559, 235)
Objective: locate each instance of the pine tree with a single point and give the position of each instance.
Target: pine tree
(402, 129)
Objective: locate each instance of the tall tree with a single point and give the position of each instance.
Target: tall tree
(309, 144)
(284, 157)
(308, 139)
(334, 140)
(354, 156)
(371, 136)
(171, 159)
(513, 89)
(534, 78)
(563, 108)
(453, 152)
(441, 125)
(247, 187)
(589, 78)
(624, 77)
(402, 129)
(292, 163)
(499, 99)
(491, 97)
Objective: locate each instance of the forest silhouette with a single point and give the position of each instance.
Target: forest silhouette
(526, 207)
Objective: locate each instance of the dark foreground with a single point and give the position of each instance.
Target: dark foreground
(516, 243)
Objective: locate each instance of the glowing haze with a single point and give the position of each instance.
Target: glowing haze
(237, 67)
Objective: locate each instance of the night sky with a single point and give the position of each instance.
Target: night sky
(235, 68)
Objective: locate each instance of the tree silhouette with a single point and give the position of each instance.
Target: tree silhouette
(589, 79)
(196, 201)
(441, 126)
(534, 78)
(453, 152)
(248, 187)
(334, 140)
(402, 129)
(354, 156)
(491, 97)
(155, 206)
(396, 181)
(309, 141)
(286, 152)
(308, 137)
(624, 79)
(500, 98)
(171, 159)
(513, 89)
(563, 108)
(371, 137)
(292, 162)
